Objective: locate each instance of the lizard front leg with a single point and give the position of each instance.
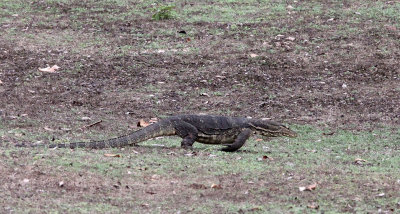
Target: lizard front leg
(239, 141)
(188, 133)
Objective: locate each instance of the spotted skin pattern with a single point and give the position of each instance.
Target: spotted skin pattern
(232, 132)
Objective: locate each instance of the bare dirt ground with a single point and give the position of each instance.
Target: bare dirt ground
(335, 74)
(319, 78)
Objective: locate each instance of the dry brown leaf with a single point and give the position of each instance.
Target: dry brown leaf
(258, 139)
(153, 120)
(308, 188)
(142, 123)
(216, 186)
(252, 55)
(290, 38)
(205, 94)
(112, 155)
(255, 209)
(49, 129)
(267, 158)
(191, 154)
(313, 206)
(264, 158)
(155, 177)
(49, 69)
(359, 161)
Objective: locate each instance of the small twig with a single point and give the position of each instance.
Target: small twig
(93, 124)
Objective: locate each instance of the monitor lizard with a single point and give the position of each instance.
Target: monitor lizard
(232, 132)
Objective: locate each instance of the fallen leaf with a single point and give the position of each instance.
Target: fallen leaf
(112, 155)
(313, 206)
(279, 36)
(312, 186)
(188, 39)
(252, 55)
(49, 69)
(216, 186)
(255, 209)
(142, 123)
(155, 177)
(290, 38)
(265, 157)
(205, 94)
(49, 129)
(359, 161)
(153, 120)
(61, 183)
(258, 139)
(329, 133)
(381, 194)
(144, 205)
(308, 188)
(191, 154)
(85, 118)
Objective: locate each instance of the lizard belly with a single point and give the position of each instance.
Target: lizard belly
(216, 138)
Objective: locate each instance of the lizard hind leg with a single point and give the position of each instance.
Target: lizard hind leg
(239, 141)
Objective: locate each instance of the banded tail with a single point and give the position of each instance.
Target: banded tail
(151, 131)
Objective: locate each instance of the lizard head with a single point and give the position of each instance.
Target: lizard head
(271, 129)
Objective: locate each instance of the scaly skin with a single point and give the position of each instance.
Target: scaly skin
(229, 131)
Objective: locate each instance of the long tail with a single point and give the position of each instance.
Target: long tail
(152, 131)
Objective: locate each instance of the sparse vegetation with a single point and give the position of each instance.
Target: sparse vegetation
(164, 12)
(327, 68)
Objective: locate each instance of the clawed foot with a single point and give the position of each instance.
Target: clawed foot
(187, 147)
(229, 148)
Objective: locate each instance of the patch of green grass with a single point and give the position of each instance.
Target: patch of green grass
(379, 11)
(329, 160)
(164, 12)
